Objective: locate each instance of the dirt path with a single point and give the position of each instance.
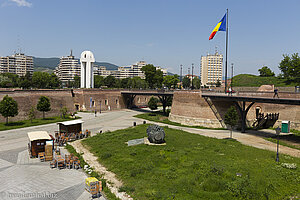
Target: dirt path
(111, 181)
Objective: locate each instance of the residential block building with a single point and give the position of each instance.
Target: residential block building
(134, 70)
(18, 63)
(67, 69)
(211, 69)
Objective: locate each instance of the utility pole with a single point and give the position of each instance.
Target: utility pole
(231, 75)
(180, 76)
(180, 73)
(192, 75)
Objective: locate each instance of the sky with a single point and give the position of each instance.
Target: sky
(166, 33)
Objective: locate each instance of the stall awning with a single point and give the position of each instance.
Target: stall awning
(38, 135)
(67, 123)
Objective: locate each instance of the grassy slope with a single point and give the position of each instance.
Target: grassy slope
(248, 80)
(35, 122)
(159, 117)
(191, 166)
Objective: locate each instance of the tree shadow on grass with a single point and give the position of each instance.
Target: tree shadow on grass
(48, 118)
(15, 124)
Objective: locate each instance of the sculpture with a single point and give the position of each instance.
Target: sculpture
(156, 134)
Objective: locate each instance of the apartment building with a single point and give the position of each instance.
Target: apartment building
(18, 64)
(67, 69)
(134, 70)
(211, 69)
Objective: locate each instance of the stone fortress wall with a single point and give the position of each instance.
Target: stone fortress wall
(190, 108)
(73, 99)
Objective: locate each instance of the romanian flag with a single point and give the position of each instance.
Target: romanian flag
(221, 26)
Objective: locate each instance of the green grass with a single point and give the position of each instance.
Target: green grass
(159, 117)
(249, 80)
(191, 166)
(35, 122)
(106, 190)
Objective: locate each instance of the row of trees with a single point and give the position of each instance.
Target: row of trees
(37, 80)
(153, 79)
(9, 107)
(289, 67)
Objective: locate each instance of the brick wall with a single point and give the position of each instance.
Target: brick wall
(190, 108)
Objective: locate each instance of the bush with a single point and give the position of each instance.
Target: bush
(152, 104)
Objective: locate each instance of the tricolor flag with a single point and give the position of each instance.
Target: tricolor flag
(221, 26)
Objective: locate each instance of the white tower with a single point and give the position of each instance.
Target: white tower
(87, 76)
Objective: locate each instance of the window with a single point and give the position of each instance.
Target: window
(117, 101)
(106, 102)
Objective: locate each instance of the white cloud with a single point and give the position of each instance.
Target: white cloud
(22, 3)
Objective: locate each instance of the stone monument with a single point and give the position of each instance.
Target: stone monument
(156, 134)
(87, 71)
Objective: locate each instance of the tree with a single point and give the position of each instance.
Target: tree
(110, 81)
(154, 77)
(40, 79)
(43, 105)
(158, 78)
(171, 81)
(196, 83)
(290, 67)
(125, 82)
(64, 111)
(266, 72)
(218, 84)
(137, 82)
(150, 72)
(152, 103)
(25, 81)
(76, 83)
(31, 114)
(98, 81)
(8, 107)
(186, 82)
(231, 118)
(54, 81)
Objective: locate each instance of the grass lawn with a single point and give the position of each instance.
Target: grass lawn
(159, 117)
(249, 80)
(35, 122)
(191, 166)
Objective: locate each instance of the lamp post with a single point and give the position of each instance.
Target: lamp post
(277, 133)
(100, 106)
(192, 75)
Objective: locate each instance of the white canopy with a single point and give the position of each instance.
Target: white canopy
(38, 135)
(67, 123)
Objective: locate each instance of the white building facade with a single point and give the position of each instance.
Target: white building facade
(18, 63)
(134, 70)
(67, 69)
(211, 69)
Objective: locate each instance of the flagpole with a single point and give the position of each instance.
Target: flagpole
(226, 51)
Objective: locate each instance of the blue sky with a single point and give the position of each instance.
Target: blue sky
(162, 32)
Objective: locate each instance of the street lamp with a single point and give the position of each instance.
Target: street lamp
(277, 133)
(100, 106)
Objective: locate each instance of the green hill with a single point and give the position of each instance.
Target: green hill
(51, 63)
(249, 80)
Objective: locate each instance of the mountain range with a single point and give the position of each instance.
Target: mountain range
(51, 63)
